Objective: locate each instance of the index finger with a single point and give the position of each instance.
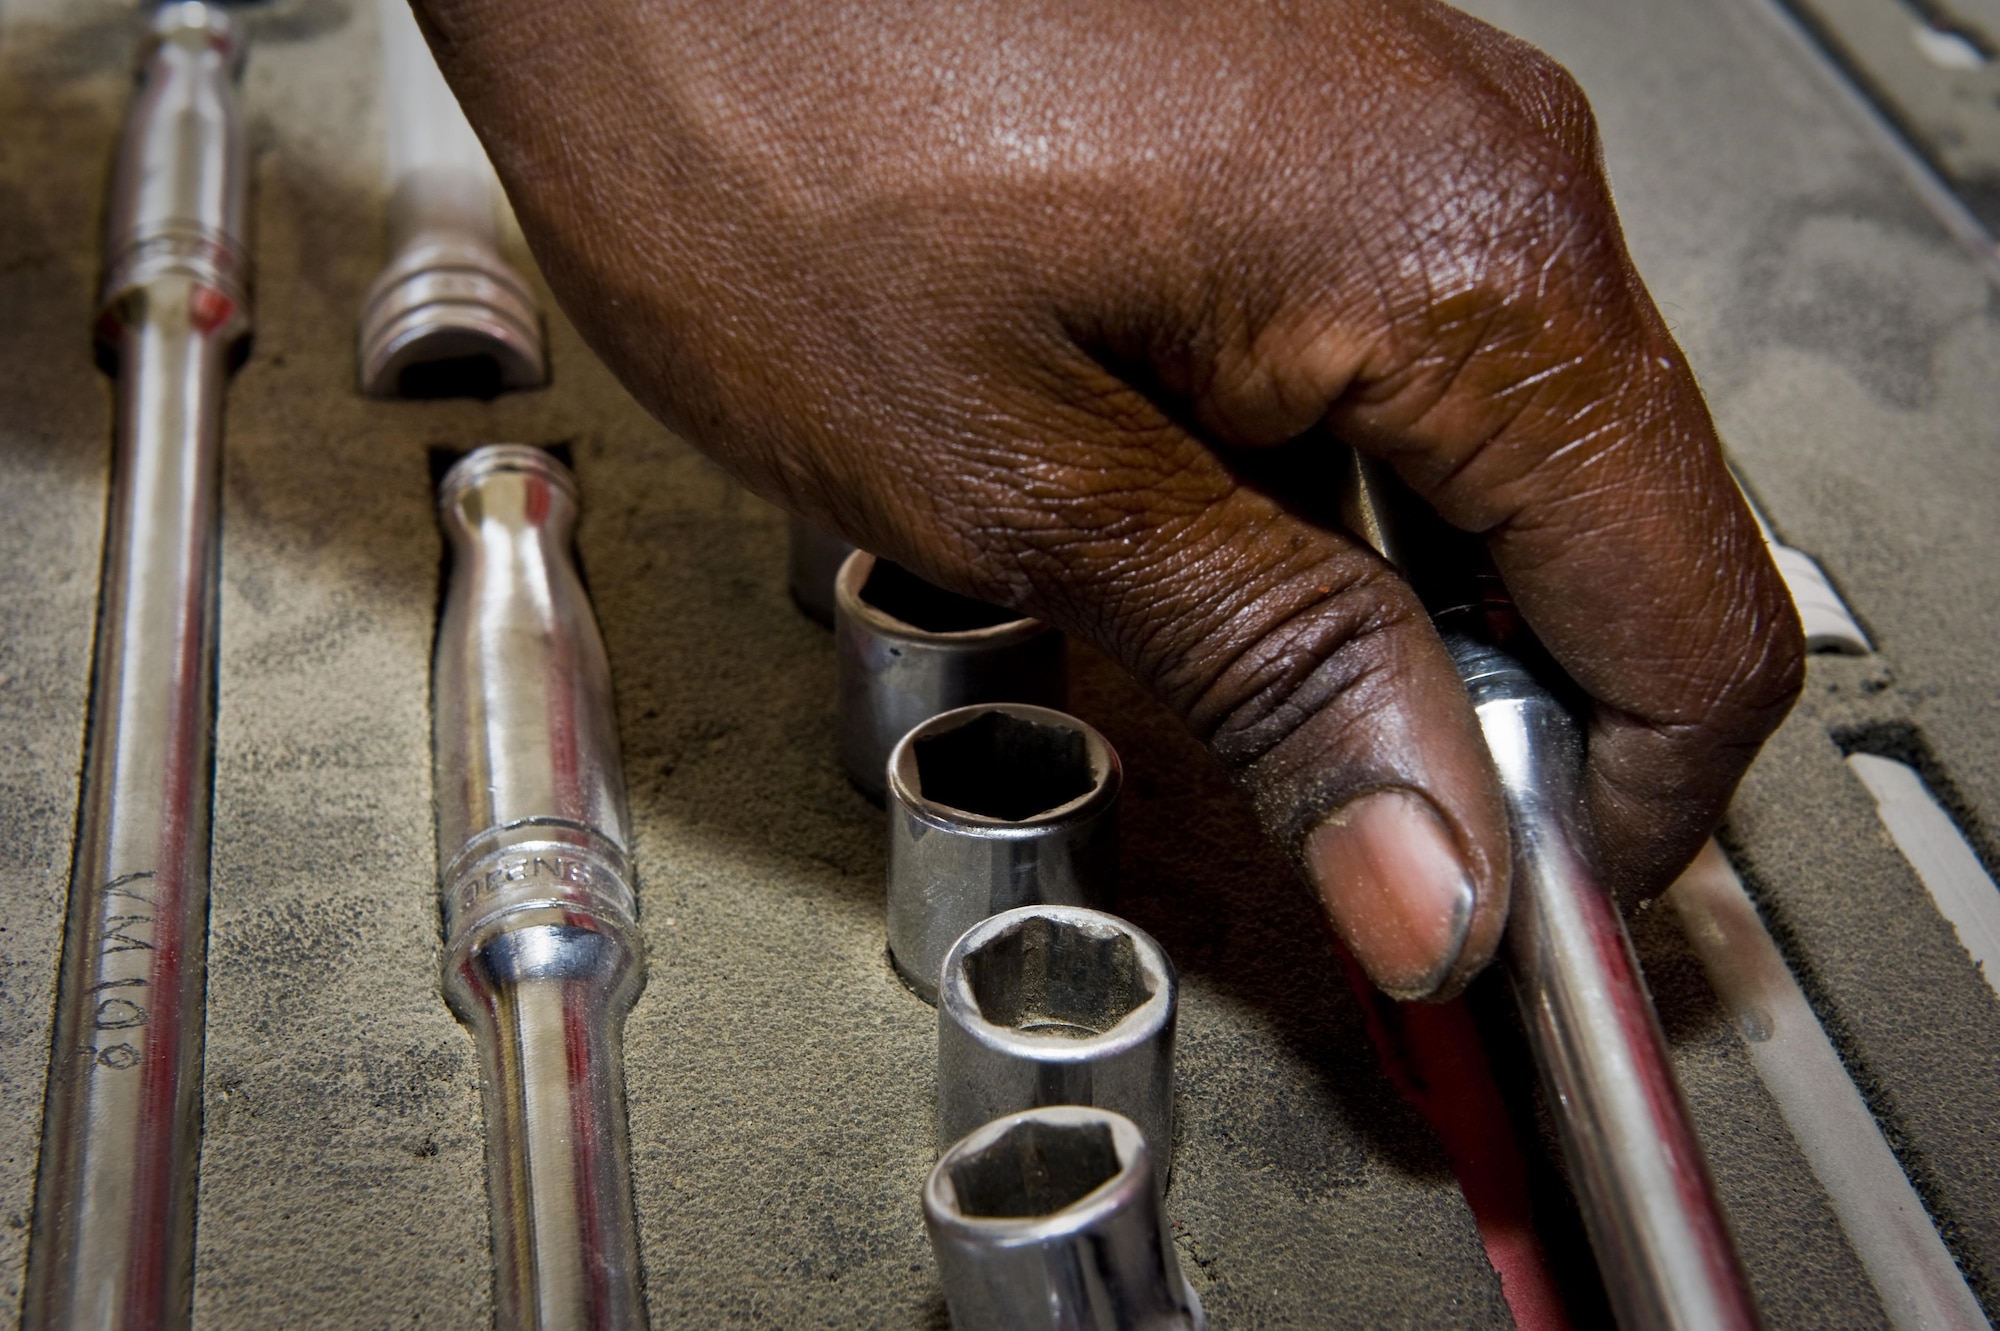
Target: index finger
(1528, 390)
(1574, 438)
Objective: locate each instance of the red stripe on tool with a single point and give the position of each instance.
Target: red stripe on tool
(1432, 1052)
(159, 1180)
(586, 1143)
(211, 309)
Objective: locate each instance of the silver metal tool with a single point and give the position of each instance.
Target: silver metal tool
(1057, 1005)
(112, 1245)
(1662, 1243)
(543, 956)
(812, 561)
(905, 650)
(1656, 1226)
(448, 316)
(1049, 1220)
(992, 807)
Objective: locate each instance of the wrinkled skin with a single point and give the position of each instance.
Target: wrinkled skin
(1073, 305)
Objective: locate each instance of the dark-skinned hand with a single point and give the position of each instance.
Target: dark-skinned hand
(1073, 305)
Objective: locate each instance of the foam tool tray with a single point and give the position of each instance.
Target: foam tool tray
(779, 1074)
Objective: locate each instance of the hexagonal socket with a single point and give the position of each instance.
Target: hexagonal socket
(1057, 1005)
(993, 807)
(906, 650)
(447, 316)
(1050, 1219)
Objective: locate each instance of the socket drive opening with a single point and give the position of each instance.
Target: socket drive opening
(1004, 766)
(1034, 1169)
(1057, 978)
(894, 591)
(491, 461)
(473, 375)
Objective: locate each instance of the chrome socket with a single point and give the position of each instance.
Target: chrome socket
(1049, 1219)
(448, 315)
(993, 807)
(812, 561)
(542, 955)
(906, 650)
(1058, 1005)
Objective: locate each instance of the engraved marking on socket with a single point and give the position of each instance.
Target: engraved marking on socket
(1035, 1169)
(1047, 978)
(489, 880)
(1004, 766)
(115, 927)
(119, 1014)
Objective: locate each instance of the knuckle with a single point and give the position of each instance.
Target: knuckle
(1534, 192)
(1510, 284)
(1303, 662)
(1773, 671)
(1552, 102)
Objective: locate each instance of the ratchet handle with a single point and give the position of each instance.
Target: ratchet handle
(1661, 1240)
(1662, 1243)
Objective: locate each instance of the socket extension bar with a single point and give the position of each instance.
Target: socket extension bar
(113, 1240)
(542, 956)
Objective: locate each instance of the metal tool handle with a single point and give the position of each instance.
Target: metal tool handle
(1662, 1243)
(543, 956)
(114, 1205)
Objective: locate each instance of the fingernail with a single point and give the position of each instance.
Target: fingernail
(1399, 893)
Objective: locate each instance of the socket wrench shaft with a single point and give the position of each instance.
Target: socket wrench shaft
(1655, 1224)
(114, 1205)
(542, 950)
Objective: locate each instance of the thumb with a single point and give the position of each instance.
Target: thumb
(1314, 676)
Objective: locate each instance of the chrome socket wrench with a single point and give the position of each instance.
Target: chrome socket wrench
(812, 561)
(993, 807)
(1057, 1005)
(113, 1241)
(1049, 1220)
(542, 955)
(906, 650)
(448, 315)
(1656, 1225)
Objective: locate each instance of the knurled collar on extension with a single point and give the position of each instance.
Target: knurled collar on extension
(449, 299)
(532, 865)
(180, 194)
